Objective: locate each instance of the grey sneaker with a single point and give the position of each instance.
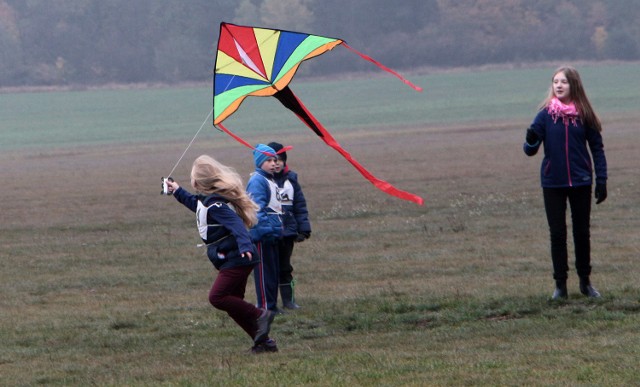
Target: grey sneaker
(264, 326)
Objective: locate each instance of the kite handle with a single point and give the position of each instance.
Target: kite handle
(383, 67)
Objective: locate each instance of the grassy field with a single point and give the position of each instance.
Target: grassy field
(101, 282)
(96, 117)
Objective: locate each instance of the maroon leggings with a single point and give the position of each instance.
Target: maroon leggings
(227, 293)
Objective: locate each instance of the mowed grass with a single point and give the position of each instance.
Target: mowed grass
(97, 117)
(102, 284)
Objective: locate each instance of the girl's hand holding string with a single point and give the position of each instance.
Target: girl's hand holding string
(173, 186)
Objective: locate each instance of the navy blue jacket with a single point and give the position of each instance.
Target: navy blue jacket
(263, 190)
(221, 229)
(566, 161)
(295, 216)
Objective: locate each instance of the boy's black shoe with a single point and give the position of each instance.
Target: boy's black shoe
(264, 325)
(268, 345)
(288, 301)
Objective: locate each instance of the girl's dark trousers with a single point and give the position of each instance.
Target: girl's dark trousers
(227, 293)
(555, 204)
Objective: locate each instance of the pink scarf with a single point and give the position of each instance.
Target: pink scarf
(567, 112)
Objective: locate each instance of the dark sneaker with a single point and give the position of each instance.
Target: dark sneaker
(269, 345)
(264, 325)
(290, 305)
(589, 291)
(560, 293)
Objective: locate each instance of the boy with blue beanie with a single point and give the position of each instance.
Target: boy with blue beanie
(268, 231)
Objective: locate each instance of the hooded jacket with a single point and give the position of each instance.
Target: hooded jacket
(295, 216)
(567, 162)
(220, 228)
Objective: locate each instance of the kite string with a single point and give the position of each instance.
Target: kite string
(191, 143)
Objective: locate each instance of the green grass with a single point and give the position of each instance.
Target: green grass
(60, 119)
(101, 282)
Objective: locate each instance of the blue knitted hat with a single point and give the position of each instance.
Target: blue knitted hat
(259, 157)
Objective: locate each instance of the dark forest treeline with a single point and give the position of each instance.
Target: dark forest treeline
(59, 42)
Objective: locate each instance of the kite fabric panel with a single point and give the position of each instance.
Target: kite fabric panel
(258, 62)
(261, 62)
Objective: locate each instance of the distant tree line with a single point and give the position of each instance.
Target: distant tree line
(61, 42)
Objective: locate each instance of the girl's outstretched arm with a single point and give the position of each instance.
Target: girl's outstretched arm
(183, 196)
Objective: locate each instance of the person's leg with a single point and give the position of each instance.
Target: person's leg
(284, 256)
(286, 273)
(272, 274)
(555, 204)
(258, 278)
(266, 275)
(227, 294)
(580, 202)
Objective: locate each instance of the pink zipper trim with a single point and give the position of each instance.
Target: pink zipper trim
(566, 144)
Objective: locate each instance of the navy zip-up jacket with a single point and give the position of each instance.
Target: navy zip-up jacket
(566, 161)
(221, 229)
(295, 216)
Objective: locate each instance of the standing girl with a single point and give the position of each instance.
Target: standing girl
(569, 128)
(224, 213)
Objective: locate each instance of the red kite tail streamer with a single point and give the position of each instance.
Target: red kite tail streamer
(383, 67)
(245, 143)
(237, 138)
(291, 102)
(284, 149)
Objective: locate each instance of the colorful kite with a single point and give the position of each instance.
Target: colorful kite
(261, 62)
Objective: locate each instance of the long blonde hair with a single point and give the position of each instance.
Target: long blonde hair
(577, 95)
(208, 176)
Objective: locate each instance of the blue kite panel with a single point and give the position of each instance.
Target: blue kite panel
(287, 44)
(224, 82)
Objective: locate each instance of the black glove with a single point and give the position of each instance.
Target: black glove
(601, 192)
(302, 236)
(532, 137)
